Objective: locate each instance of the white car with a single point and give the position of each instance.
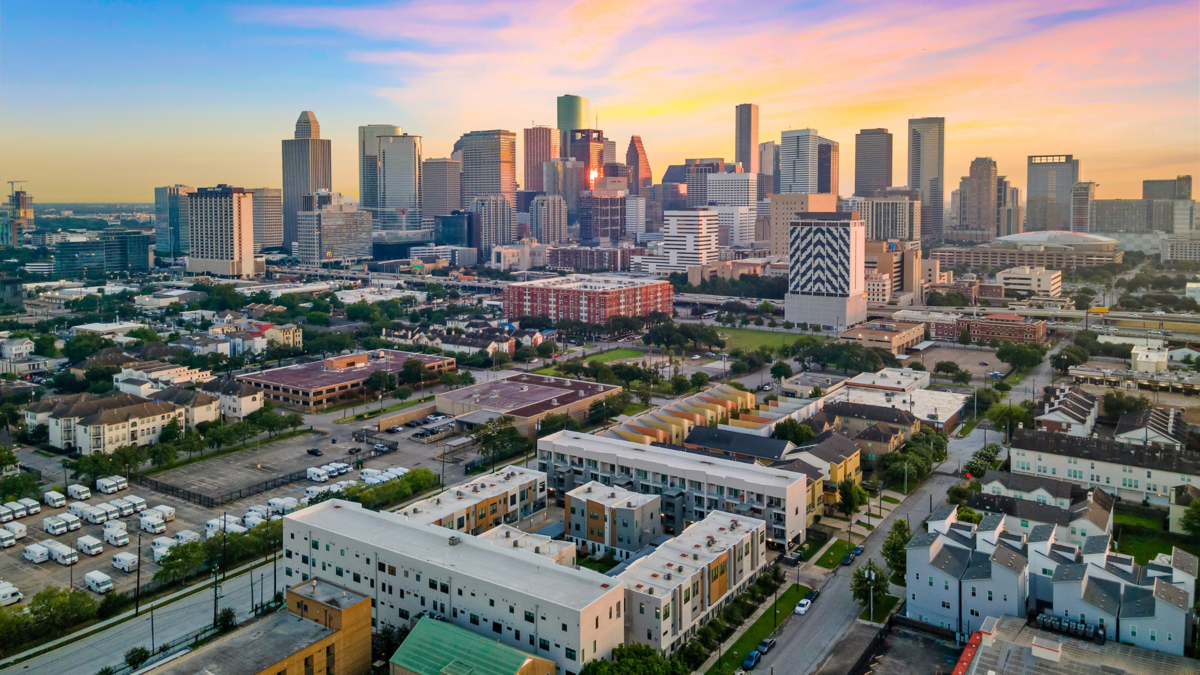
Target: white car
(802, 607)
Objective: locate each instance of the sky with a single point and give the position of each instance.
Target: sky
(103, 101)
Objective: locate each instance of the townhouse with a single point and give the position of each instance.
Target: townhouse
(1067, 409)
(1040, 489)
(409, 570)
(1153, 428)
(1088, 517)
(600, 518)
(237, 398)
(837, 458)
(503, 497)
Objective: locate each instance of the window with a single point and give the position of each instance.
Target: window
(496, 627)
(338, 571)
(529, 617)
(474, 619)
(564, 627)
(931, 582)
(1153, 635)
(1132, 630)
(945, 605)
(946, 584)
(357, 578)
(570, 654)
(972, 591)
(432, 585)
(543, 643)
(990, 596)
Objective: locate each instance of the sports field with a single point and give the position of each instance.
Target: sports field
(750, 340)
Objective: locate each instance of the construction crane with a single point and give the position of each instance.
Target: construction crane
(12, 187)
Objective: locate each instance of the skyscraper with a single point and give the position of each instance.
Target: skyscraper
(641, 179)
(399, 201)
(696, 173)
(887, 217)
(489, 164)
(1048, 192)
(268, 218)
(1172, 188)
(745, 150)
(608, 153)
(587, 146)
(827, 270)
(497, 218)
(307, 162)
(798, 153)
(689, 240)
(828, 166)
(927, 171)
(981, 198)
(441, 187)
(1083, 199)
(768, 166)
(565, 177)
(733, 189)
(541, 146)
(333, 232)
(872, 161)
(601, 216)
(368, 161)
(635, 215)
(572, 115)
(170, 219)
(221, 227)
(785, 208)
(20, 209)
(548, 219)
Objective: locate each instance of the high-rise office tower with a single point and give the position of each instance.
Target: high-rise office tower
(307, 162)
(170, 219)
(696, 173)
(827, 270)
(601, 216)
(828, 166)
(1083, 199)
(733, 189)
(635, 215)
(735, 224)
(927, 171)
(887, 217)
(641, 179)
(768, 166)
(872, 161)
(268, 218)
(745, 151)
(400, 183)
(489, 164)
(784, 209)
(126, 251)
(572, 115)
(981, 198)
(548, 219)
(1012, 212)
(565, 177)
(587, 146)
(798, 154)
(221, 227)
(441, 187)
(497, 218)
(320, 199)
(608, 154)
(1048, 192)
(333, 232)
(1173, 188)
(541, 146)
(368, 161)
(689, 240)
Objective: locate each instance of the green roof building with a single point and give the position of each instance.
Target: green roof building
(439, 648)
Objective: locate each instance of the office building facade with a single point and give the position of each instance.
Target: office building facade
(398, 206)
(746, 137)
(126, 251)
(786, 207)
(79, 259)
(460, 228)
(828, 166)
(798, 162)
(635, 215)
(1051, 178)
(981, 210)
(690, 239)
(601, 216)
(307, 167)
(872, 161)
(221, 226)
(572, 115)
(497, 218)
(268, 218)
(170, 219)
(368, 162)
(334, 233)
(548, 219)
(641, 178)
(489, 165)
(565, 177)
(1174, 188)
(886, 218)
(441, 187)
(541, 146)
(826, 270)
(1083, 199)
(732, 189)
(587, 146)
(768, 164)
(927, 171)
(696, 172)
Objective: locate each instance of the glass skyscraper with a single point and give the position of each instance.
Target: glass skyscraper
(1048, 192)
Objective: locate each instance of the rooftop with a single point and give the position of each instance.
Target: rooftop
(539, 544)
(733, 441)
(466, 554)
(1062, 237)
(441, 648)
(478, 489)
(901, 379)
(252, 649)
(1181, 462)
(610, 496)
(311, 376)
(926, 404)
(526, 395)
(676, 560)
(1020, 482)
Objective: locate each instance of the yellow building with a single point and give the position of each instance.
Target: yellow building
(287, 335)
(836, 457)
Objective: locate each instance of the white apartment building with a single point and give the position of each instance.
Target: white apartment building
(887, 217)
(733, 189)
(1145, 359)
(735, 225)
(1133, 473)
(689, 240)
(561, 552)
(221, 230)
(671, 593)
(571, 616)
(1033, 280)
(504, 497)
(159, 374)
(879, 286)
(690, 485)
(238, 398)
(548, 218)
(798, 161)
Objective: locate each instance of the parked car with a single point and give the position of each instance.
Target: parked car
(813, 595)
(766, 387)
(847, 559)
(858, 550)
(766, 645)
(354, 451)
(393, 429)
(752, 660)
(412, 423)
(380, 446)
(983, 363)
(316, 452)
(802, 606)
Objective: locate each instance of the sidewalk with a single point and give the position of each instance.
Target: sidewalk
(728, 644)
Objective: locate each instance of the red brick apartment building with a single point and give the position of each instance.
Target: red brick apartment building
(592, 298)
(1010, 327)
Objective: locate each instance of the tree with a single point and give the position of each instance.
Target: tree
(84, 345)
(964, 338)
(894, 545)
(816, 393)
(851, 497)
(163, 454)
(790, 430)
(957, 495)
(947, 367)
(1021, 356)
(56, 610)
(499, 439)
(781, 370)
(1007, 417)
(226, 620)
(698, 381)
(525, 353)
(134, 658)
(962, 377)
(294, 420)
(1190, 522)
(404, 393)
(170, 431)
(547, 349)
(413, 372)
(318, 319)
(869, 583)
(181, 562)
(44, 345)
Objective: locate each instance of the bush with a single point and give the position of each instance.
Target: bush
(226, 620)
(113, 604)
(137, 656)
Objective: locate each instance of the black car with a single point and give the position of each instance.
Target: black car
(315, 452)
(393, 430)
(813, 595)
(766, 645)
(413, 423)
(354, 451)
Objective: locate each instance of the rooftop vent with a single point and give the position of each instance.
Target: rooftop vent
(516, 544)
(455, 541)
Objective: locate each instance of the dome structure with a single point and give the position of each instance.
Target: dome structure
(1058, 237)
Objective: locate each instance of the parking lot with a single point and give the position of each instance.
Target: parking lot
(967, 359)
(31, 578)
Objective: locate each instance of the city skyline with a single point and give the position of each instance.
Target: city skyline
(422, 68)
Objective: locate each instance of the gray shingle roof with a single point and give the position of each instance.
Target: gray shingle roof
(1103, 594)
(1171, 594)
(1040, 533)
(732, 441)
(979, 567)
(1069, 573)
(831, 447)
(1009, 559)
(1018, 508)
(1020, 482)
(990, 523)
(1181, 462)
(943, 511)
(1095, 544)
(1183, 561)
(952, 560)
(1137, 603)
(922, 540)
(877, 413)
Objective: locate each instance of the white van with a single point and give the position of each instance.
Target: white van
(116, 525)
(126, 562)
(53, 525)
(106, 485)
(167, 513)
(367, 473)
(31, 507)
(235, 529)
(89, 545)
(311, 492)
(123, 507)
(71, 520)
(317, 475)
(94, 515)
(160, 552)
(5, 514)
(186, 536)
(79, 492)
(98, 582)
(18, 510)
(7, 539)
(282, 505)
(374, 480)
(36, 553)
(252, 519)
(9, 595)
(17, 530)
(115, 537)
(110, 512)
(122, 484)
(54, 500)
(261, 510)
(150, 522)
(139, 504)
(61, 553)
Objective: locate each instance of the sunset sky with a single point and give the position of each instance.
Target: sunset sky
(102, 101)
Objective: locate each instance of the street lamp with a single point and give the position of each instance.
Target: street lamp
(871, 591)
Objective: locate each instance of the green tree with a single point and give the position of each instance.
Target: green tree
(851, 497)
(789, 429)
(56, 610)
(163, 454)
(7, 456)
(894, 546)
(85, 344)
(526, 353)
(171, 431)
(547, 349)
(1007, 417)
(697, 379)
(318, 319)
(44, 345)
(144, 335)
(134, 658)
(957, 495)
(964, 338)
(294, 420)
(781, 370)
(962, 377)
(414, 372)
(183, 561)
(498, 439)
(869, 582)
(947, 367)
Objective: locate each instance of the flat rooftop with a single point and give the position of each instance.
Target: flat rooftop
(926, 404)
(589, 282)
(526, 395)
(538, 544)
(467, 495)
(472, 556)
(312, 376)
(673, 460)
(689, 551)
(323, 592)
(611, 496)
(252, 649)
(905, 379)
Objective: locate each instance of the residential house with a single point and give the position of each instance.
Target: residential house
(16, 348)
(201, 344)
(1153, 428)
(287, 335)
(109, 356)
(876, 441)
(237, 398)
(1086, 518)
(197, 406)
(601, 518)
(1040, 489)
(1067, 409)
(856, 417)
(837, 457)
(89, 423)
(739, 446)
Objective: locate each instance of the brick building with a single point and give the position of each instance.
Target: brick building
(893, 336)
(592, 298)
(942, 325)
(582, 258)
(1004, 327)
(312, 387)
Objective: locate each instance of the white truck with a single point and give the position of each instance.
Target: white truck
(281, 505)
(72, 521)
(152, 523)
(262, 511)
(106, 485)
(6, 539)
(31, 506)
(139, 504)
(53, 525)
(123, 506)
(161, 547)
(367, 473)
(317, 475)
(36, 553)
(79, 492)
(252, 519)
(54, 499)
(126, 562)
(77, 509)
(122, 484)
(116, 537)
(167, 513)
(186, 536)
(5, 515)
(9, 595)
(98, 582)
(61, 553)
(313, 490)
(89, 545)
(18, 509)
(110, 512)
(17, 530)
(94, 515)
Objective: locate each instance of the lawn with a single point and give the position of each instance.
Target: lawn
(1144, 547)
(1137, 521)
(635, 408)
(881, 609)
(896, 580)
(750, 339)
(731, 660)
(833, 556)
(615, 354)
(891, 500)
(602, 565)
(375, 412)
(1017, 375)
(548, 370)
(809, 548)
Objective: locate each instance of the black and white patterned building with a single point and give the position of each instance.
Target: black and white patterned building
(826, 276)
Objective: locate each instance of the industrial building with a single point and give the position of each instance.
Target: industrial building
(312, 387)
(527, 398)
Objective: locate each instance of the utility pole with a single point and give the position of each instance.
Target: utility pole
(215, 590)
(137, 592)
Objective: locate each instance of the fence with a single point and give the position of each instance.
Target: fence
(866, 662)
(902, 621)
(166, 650)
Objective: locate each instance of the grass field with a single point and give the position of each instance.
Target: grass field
(891, 500)
(881, 609)
(635, 408)
(615, 355)
(750, 340)
(896, 580)
(1136, 520)
(731, 660)
(834, 554)
(391, 408)
(1144, 548)
(602, 565)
